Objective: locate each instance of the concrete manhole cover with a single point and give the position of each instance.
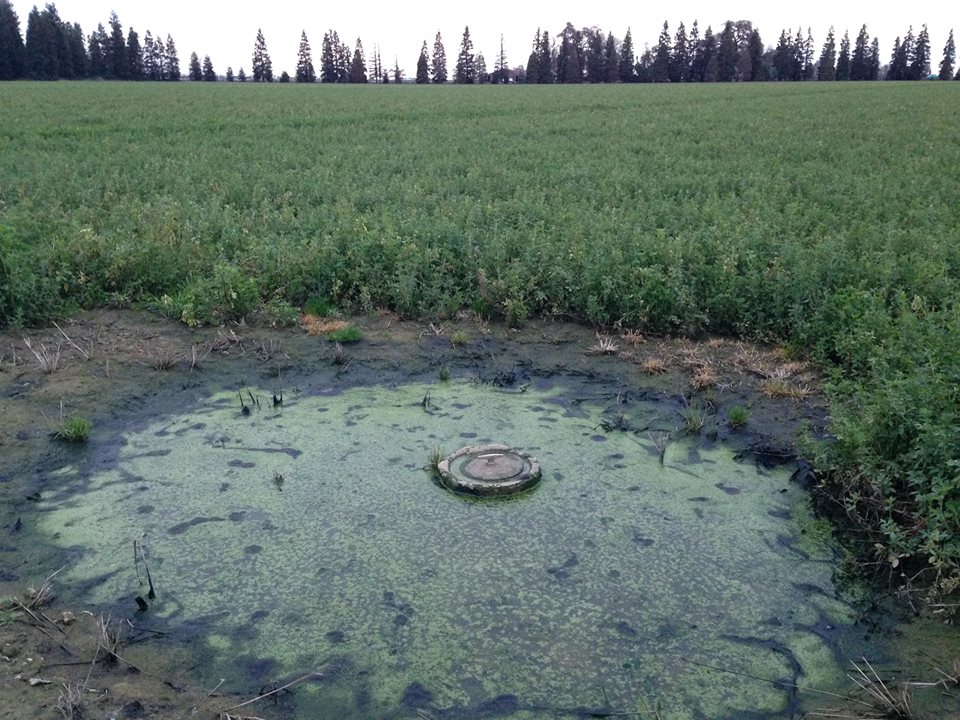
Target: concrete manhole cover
(489, 470)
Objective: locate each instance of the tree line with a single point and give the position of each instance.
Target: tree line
(53, 49)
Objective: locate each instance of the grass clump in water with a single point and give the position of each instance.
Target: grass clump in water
(74, 429)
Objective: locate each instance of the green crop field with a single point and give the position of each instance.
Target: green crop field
(825, 216)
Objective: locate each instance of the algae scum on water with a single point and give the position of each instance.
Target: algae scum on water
(310, 537)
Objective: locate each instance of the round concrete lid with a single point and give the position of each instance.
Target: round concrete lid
(489, 470)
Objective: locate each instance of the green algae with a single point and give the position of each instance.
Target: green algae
(701, 584)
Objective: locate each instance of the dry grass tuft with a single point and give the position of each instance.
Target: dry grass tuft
(603, 346)
(703, 378)
(317, 325)
(70, 702)
(163, 358)
(654, 366)
(226, 342)
(47, 360)
(633, 337)
(780, 390)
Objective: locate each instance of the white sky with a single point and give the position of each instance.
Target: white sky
(226, 30)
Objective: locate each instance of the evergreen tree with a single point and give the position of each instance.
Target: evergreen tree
(305, 69)
(593, 60)
(949, 57)
(680, 58)
(209, 74)
(358, 66)
(532, 73)
(397, 72)
(12, 52)
(134, 56)
(843, 60)
(230, 76)
(920, 60)
(195, 72)
(76, 50)
(379, 74)
(611, 60)
(501, 71)
(827, 65)
(860, 60)
(569, 63)
(727, 53)
(115, 52)
(809, 53)
(799, 56)
(423, 66)
(626, 72)
(873, 60)
(693, 51)
(262, 65)
(661, 57)
(41, 48)
(438, 64)
(466, 72)
(152, 62)
(242, 76)
(706, 70)
(759, 71)
(171, 61)
(644, 67)
(329, 53)
(899, 62)
(545, 71)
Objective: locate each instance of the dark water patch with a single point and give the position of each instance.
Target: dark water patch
(780, 514)
(224, 487)
(598, 438)
(699, 499)
(789, 543)
(195, 426)
(336, 637)
(8, 576)
(626, 629)
(500, 706)
(557, 475)
(253, 549)
(241, 464)
(244, 632)
(728, 489)
(416, 696)
(145, 509)
(614, 574)
(563, 571)
(810, 589)
(163, 452)
(639, 539)
(256, 669)
(460, 405)
(237, 515)
(259, 615)
(468, 435)
(698, 512)
(181, 528)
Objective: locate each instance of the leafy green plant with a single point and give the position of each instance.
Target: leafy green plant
(320, 306)
(348, 334)
(695, 415)
(459, 338)
(74, 429)
(737, 416)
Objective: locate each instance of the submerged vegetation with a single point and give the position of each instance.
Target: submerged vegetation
(820, 215)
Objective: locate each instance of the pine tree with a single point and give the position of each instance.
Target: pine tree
(423, 66)
(134, 56)
(626, 71)
(706, 69)
(262, 65)
(727, 53)
(661, 57)
(152, 58)
(899, 61)
(569, 63)
(680, 57)
(195, 72)
(305, 70)
(171, 61)
(531, 74)
(358, 66)
(11, 43)
(644, 67)
(873, 60)
(827, 65)
(379, 74)
(501, 71)
(843, 60)
(230, 76)
(438, 64)
(799, 56)
(949, 57)
(115, 51)
(397, 71)
(242, 76)
(285, 77)
(209, 74)
(860, 60)
(693, 51)
(594, 55)
(759, 71)
(920, 61)
(42, 45)
(611, 60)
(466, 71)
(545, 66)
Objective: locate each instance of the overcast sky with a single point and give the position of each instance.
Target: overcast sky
(226, 30)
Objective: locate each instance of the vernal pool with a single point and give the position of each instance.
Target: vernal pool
(308, 537)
